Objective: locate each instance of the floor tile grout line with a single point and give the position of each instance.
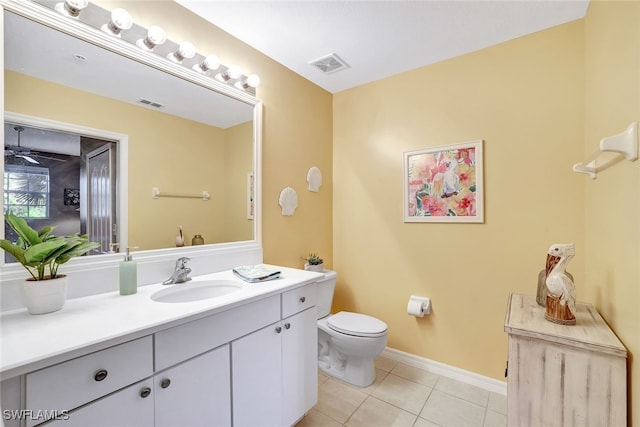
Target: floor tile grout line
(425, 402)
(356, 410)
(434, 387)
(416, 382)
(395, 406)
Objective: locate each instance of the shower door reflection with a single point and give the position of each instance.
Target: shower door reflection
(98, 172)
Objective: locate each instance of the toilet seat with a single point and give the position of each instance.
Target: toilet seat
(357, 324)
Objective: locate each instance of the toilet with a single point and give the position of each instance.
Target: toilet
(347, 342)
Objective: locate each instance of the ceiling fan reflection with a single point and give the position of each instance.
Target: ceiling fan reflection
(24, 152)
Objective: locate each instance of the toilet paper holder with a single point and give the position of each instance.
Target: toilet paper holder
(418, 306)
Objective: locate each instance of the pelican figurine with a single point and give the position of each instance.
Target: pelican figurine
(559, 284)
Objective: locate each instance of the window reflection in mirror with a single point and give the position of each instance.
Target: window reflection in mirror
(61, 179)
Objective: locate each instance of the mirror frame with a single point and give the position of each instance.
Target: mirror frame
(44, 16)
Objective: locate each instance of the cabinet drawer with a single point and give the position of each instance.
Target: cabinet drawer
(70, 384)
(299, 299)
(185, 341)
(131, 406)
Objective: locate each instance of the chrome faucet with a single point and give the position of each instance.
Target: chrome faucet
(180, 272)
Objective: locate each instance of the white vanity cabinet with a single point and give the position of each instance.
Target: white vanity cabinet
(131, 406)
(299, 353)
(251, 364)
(195, 393)
(274, 370)
(60, 388)
(256, 375)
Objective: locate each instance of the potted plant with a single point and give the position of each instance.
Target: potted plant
(313, 262)
(41, 254)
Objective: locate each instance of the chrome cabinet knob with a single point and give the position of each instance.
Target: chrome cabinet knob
(100, 374)
(165, 383)
(145, 392)
(302, 299)
(287, 325)
(278, 329)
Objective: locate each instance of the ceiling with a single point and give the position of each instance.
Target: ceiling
(378, 39)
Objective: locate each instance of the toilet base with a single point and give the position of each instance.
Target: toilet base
(359, 371)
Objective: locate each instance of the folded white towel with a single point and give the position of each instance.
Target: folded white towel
(256, 273)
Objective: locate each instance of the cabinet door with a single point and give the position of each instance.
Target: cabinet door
(196, 392)
(256, 378)
(299, 365)
(131, 406)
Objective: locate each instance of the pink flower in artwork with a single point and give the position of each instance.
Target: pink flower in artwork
(466, 155)
(466, 205)
(435, 205)
(422, 165)
(467, 175)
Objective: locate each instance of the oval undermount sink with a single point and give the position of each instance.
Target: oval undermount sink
(196, 291)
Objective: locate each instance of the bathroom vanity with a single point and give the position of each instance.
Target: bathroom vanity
(563, 375)
(246, 358)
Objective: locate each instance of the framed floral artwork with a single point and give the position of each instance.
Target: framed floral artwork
(444, 184)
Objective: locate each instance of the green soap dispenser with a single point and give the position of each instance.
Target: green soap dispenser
(128, 275)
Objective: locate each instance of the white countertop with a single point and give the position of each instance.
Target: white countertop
(84, 325)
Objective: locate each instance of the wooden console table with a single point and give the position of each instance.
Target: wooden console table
(562, 375)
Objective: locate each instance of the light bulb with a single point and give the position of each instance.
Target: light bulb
(251, 81)
(120, 20)
(211, 62)
(185, 51)
(155, 37)
(71, 8)
(234, 72)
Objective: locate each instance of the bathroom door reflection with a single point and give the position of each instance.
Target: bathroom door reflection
(98, 172)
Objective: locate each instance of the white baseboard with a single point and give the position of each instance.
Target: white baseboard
(448, 371)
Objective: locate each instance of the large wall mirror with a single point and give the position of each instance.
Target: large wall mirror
(94, 130)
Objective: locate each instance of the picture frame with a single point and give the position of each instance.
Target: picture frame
(71, 197)
(444, 184)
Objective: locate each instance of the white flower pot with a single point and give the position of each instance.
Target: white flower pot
(44, 296)
(318, 267)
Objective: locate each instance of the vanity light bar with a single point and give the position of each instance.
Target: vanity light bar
(119, 23)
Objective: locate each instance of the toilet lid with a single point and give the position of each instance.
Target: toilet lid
(357, 324)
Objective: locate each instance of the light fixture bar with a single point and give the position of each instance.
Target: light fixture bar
(154, 41)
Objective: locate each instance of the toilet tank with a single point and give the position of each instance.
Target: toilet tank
(326, 287)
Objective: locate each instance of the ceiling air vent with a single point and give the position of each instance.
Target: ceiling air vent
(329, 64)
(150, 103)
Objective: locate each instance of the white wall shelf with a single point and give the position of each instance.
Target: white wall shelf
(613, 149)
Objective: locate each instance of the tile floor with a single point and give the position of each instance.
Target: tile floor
(404, 396)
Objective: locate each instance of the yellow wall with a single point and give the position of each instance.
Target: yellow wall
(525, 99)
(612, 208)
(238, 163)
(155, 160)
(297, 132)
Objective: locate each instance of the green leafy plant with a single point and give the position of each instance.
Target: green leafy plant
(313, 259)
(39, 251)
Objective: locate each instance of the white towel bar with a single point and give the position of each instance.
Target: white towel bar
(155, 194)
(613, 149)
